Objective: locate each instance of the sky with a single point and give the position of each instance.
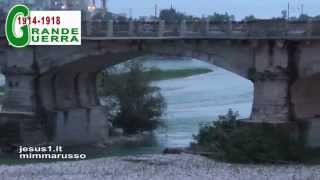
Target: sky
(240, 8)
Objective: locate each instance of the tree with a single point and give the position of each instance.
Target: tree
(317, 17)
(249, 18)
(141, 105)
(171, 15)
(304, 17)
(284, 14)
(233, 140)
(221, 17)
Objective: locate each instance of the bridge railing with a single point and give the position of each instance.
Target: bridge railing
(195, 29)
(253, 29)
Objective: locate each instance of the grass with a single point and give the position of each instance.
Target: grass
(157, 74)
(2, 91)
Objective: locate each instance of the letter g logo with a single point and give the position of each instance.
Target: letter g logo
(13, 39)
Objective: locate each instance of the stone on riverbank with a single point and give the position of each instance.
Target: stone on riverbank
(157, 167)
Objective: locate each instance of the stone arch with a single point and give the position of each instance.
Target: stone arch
(236, 56)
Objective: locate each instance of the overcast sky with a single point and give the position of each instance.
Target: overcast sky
(240, 8)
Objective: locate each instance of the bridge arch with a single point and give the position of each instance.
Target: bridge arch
(236, 56)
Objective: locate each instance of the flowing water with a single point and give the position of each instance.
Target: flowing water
(198, 99)
(191, 101)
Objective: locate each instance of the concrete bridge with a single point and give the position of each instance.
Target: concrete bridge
(58, 83)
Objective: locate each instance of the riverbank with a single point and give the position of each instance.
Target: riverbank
(158, 74)
(157, 167)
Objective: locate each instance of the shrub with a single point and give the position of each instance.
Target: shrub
(231, 140)
(141, 105)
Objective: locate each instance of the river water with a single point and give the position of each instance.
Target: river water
(191, 101)
(198, 99)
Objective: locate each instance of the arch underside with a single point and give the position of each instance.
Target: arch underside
(237, 57)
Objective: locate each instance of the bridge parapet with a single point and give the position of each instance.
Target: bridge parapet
(259, 29)
(262, 29)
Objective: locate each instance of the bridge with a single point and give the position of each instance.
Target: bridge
(58, 84)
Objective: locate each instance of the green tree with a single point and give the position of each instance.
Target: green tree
(232, 140)
(221, 17)
(141, 105)
(171, 15)
(317, 17)
(250, 18)
(304, 17)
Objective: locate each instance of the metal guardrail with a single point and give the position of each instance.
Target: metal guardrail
(197, 29)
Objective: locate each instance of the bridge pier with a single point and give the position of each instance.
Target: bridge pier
(270, 74)
(86, 90)
(19, 120)
(271, 100)
(20, 93)
(20, 72)
(75, 115)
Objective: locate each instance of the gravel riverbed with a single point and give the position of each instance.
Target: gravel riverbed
(157, 167)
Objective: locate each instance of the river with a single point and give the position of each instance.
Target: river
(198, 99)
(191, 101)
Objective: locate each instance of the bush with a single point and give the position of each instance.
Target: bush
(230, 140)
(141, 105)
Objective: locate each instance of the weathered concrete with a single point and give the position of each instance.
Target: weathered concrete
(80, 126)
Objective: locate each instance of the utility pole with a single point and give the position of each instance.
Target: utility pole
(104, 4)
(302, 8)
(156, 11)
(130, 13)
(288, 11)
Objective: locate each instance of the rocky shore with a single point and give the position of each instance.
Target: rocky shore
(157, 167)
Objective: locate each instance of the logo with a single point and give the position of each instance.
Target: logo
(25, 27)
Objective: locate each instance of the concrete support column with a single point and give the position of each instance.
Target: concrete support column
(183, 28)
(20, 93)
(86, 90)
(47, 91)
(19, 68)
(110, 28)
(271, 82)
(162, 27)
(230, 26)
(88, 27)
(207, 27)
(80, 126)
(271, 101)
(65, 93)
(309, 28)
(131, 28)
(68, 91)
